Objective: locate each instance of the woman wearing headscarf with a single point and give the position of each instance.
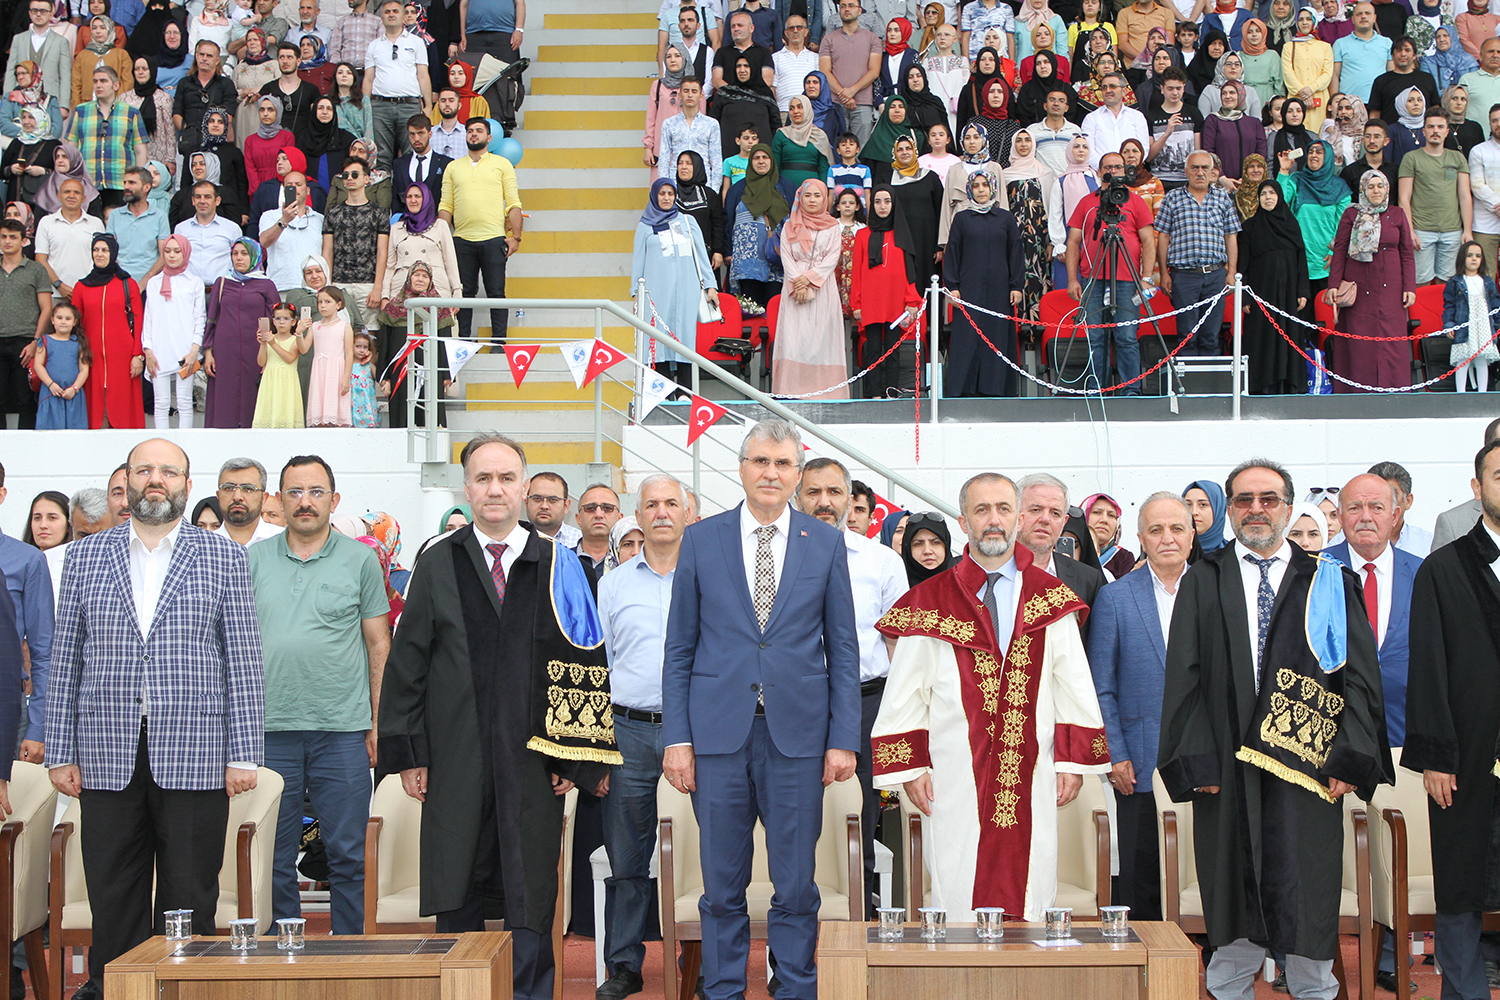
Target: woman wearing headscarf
(924, 108)
(894, 61)
(800, 148)
(1206, 499)
(109, 303)
(1031, 99)
(703, 205)
(1075, 183)
(809, 331)
(377, 190)
(754, 208)
(1148, 91)
(1091, 93)
(983, 265)
(1344, 129)
(828, 114)
(1089, 47)
(1028, 184)
(1306, 69)
(385, 530)
(926, 547)
(326, 144)
(237, 304)
(256, 68)
(919, 191)
(1294, 134)
(100, 50)
(933, 18)
(200, 166)
(994, 112)
(1076, 528)
(26, 216)
(1447, 61)
(1373, 249)
(155, 107)
(420, 283)
(1281, 23)
(661, 104)
(172, 332)
(1156, 40)
(146, 39)
(271, 192)
(1275, 265)
(174, 59)
(1247, 192)
(1232, 133)
(1104, 516)
(973, 155)
(883, 295)
(986, 68)
(1406, 131)
(1262, 63)
(626, 538)
(160, 195)
(893, 529)
(28, 159)
(470, 103)
(234, 181)
(1034, 13)
(1200, 71)
(744, 99)
(314, 66)
(418, 236)
(1230, 70)
(879, 149)
(269, 139)
(1463, 134)
(209, 506)
(672, 257)
(1334, 23)
(32, 95)
(67, 165)
(1317, 197)
(1308, 528)
(1146, 184)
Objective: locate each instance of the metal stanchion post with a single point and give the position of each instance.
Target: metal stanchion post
(934, 328)
(1239, 332)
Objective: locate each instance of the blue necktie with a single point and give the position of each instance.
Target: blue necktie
(1264, 598)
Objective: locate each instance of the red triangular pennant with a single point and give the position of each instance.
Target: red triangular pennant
(879, 508)
(705, 413)
(604, 356)
(519, 357)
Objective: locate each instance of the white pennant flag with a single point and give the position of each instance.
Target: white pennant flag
(655, 390)
(458, 353)
(577, 353)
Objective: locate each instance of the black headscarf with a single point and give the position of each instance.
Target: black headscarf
(974, 89)
(326, 137)
(895, 221)
(923, 105)
(757, 82)
(1273, 230)
(147, 93)
(915, 572)
(101, 276)
(207, 503)
(1296, 136)
(145, 40)
(1078, 527)
(1200, 71)
(171, 57)
(1031, 99)
(692, 194)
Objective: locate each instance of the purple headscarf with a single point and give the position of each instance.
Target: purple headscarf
(422, 220)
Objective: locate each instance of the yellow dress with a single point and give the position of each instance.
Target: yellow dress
(279, 403)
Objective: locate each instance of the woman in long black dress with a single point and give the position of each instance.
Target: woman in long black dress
(697, 199)
(745, 99)
(1275, 264)
(919, 192)
(982, 266)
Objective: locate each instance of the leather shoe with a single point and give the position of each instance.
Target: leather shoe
(1492, 974)
(1278, 985)
(88, 991)
(1387, 981)
(619, 986)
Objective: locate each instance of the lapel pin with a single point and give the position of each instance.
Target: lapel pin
(804, 534)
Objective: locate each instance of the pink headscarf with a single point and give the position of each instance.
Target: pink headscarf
(802, 228)
(168, 272)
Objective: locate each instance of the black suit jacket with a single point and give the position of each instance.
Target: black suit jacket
(1084, 581)
(401, 178)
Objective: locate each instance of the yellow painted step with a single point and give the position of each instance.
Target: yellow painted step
(596, 53)
(619, 336)
(592, 22)
(615, 288)
(543, 453)
(587, 157)
(538, 394)
(575, 242)
(590, 121)
(582, 199)
(608, 86)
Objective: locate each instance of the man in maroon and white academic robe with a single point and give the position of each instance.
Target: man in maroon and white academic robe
(998, 743)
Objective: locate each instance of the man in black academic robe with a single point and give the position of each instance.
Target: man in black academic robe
(1452, 724)
(1263, 736)
(495, 703)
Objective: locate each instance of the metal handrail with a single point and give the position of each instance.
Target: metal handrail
(427, 309)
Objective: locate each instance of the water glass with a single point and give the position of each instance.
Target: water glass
(990, 920)
(1114, 921)
(934, 923)
(1059, 922)
(242, 934)
(179, 927)
(891, 920)
(291, 933)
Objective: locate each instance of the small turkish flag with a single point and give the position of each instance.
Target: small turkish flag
(879, 508)
(520, 357)
(603, 356)
(704, 415)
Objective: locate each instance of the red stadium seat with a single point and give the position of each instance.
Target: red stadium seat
(730, 326)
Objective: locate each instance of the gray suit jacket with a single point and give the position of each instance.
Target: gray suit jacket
(1455, 523)
(55, 60)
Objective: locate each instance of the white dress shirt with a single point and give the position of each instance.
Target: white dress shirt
(1385, 569)
(1416, 540)
(877, 576)
(1007, 596)
(750, 542)
(421, 165)
(1166, 601)
(1106, 131)
(513, 542)
(148, 570)
(263, 529)
(1494, 566)
(791, 69)
(1250, 577)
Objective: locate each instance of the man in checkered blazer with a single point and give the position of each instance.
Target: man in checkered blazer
(157, 705)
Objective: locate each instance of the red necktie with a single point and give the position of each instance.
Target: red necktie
(497, 570)
(1372, 599)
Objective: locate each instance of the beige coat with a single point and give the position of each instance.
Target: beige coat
(435, 246)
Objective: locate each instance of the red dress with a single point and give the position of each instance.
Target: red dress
(260, 157)
(115, 341)
(880, 294)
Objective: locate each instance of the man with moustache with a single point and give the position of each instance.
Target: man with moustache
(1043, 515)
(989, 720)
(877, 578)
(1264, 633)
(242, 496)
(598, 510)
(633, 605)
(547, 507)
(119, 499)
(1128, 657)
(155, 711)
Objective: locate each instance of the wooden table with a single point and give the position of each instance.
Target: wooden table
(1157, 963)
(386, 967)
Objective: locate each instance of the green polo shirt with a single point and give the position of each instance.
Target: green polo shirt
(317, 671)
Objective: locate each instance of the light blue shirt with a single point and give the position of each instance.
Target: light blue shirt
(210, 243)
(29, 582)
(138, 236)
(300, 239)
(492, 15)
(1005, 600)
(634, 602)
(1362, 62)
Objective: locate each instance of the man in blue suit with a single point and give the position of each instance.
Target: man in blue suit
(760, 706)
(1128, 657)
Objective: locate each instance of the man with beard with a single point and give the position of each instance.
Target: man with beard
(155, 714)
(1264, 634)
(547, 506)
(989, 720)
(483, 205)
(1452, 716)
(141, 228)
(119, 499)
(877, 578)
(242, 497)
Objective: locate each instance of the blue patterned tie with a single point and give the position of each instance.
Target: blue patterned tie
(1264, 598)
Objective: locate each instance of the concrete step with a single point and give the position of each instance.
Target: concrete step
(616, 288)
(576, 324)
(600, 10)
(547, 265)
(595, 53)
(584, 200)
(636, 176)
(583, 157)
(602, 35)
(601, 220)
(616, 136)
(591, 85)
(597, 21)
(540, 452)
(638, 68)
(621, 120)
(593, 102)
(619, 241)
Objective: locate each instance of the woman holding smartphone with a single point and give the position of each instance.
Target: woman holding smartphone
(239, 307)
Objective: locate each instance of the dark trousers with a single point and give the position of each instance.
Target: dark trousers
(496, 43)
(142, 830)
(629, 838)
(485, 257)
(392, 343)
(16, 395)
(864, 773)
(1460, 948)
(533, 964)
(1140, 867)
(1190, 291)
(896, 371)
(758, 781)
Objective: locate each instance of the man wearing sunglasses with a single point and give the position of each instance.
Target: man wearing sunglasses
(1270, 717)
(598, 510)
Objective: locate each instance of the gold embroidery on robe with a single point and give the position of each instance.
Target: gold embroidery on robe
(899, 752)
(1304, 717)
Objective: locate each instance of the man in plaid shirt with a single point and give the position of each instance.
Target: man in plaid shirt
(353, 34)
(109, 134)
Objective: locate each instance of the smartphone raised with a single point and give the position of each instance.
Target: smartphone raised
(289, 193)
(307, 312)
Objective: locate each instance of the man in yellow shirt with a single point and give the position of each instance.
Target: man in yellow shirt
(483, 237)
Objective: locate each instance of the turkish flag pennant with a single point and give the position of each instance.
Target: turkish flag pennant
(604, 356)
(705, 413)
(519, 357)
(879, 508)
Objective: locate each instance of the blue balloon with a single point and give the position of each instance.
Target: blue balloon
(503, 145)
